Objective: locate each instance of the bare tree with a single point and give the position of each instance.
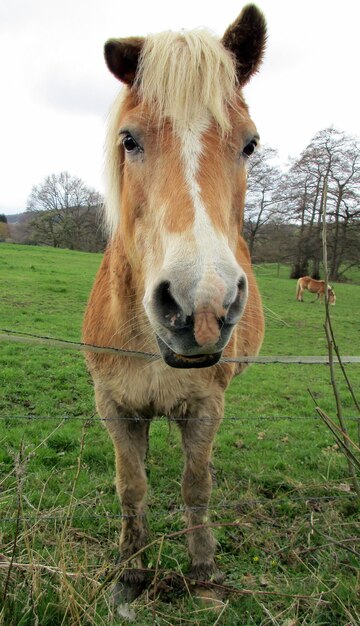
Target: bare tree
(64, 213)
(4, 228)
(332, 157)
(264, 177)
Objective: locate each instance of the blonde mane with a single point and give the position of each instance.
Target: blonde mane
(112, 167)
(183, 74)
(180, 75)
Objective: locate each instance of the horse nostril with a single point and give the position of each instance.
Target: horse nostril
(163, 295)
(241, 286)
(168, 310)
(235, 309)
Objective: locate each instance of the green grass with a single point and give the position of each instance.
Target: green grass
(283, 479)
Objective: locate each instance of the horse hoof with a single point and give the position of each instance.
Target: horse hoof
(207, 586)
(210, 598)
(206, 573)
(130, 585)
(126, 612)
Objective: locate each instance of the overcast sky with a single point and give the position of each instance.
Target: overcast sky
(56, 90)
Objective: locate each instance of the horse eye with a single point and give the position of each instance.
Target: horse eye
(130, 144)
(249, 148)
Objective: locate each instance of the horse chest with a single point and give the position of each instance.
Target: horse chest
(156, 388)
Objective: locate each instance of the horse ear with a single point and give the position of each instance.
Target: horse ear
(246, 39)
(122, 57)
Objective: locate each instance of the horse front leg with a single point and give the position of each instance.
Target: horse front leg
(197, 435)
(130, 438)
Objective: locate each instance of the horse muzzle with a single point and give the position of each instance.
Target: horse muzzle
(182, 361)
(197, 339)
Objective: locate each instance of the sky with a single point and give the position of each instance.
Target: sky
(56, 90)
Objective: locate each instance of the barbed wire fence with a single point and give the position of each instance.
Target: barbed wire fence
(16, 336)
(19, 337)
(76, 513)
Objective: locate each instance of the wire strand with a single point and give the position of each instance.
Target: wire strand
(164, 419)
(24, 337)
(304, 499)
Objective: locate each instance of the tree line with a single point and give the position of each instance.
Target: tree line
(283, 216)
(63, 212)
(283, 210)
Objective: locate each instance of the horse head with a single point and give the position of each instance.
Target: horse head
(178, 142)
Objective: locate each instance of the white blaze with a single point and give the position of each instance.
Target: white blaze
(212, 251)
(192, 148)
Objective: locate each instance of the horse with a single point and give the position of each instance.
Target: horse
(176, 278)
(314, 286)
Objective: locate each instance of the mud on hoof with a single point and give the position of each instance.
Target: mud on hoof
(129, 586)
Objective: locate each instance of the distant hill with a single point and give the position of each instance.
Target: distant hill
(16, 218)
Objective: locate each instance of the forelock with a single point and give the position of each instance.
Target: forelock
(182, 75)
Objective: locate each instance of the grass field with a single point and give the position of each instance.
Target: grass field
(294, 559)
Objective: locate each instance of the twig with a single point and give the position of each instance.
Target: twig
(233, 590)
(330, 342)
(73, 606)
(349, 385)
(342, 439)
(226, 604)
(6, 563)
(116, 572)
(340, 361)
(339, 543)
(156, 573)
(19, 471)
(76, 477)
(337, 432)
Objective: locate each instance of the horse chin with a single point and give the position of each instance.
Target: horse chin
(182, 361)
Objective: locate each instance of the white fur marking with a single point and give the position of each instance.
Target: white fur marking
(192, 149)
(212, 249)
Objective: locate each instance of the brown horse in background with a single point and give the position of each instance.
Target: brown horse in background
(314, 286)
(176, 277)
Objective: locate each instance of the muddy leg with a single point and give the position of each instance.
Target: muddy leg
(197, 436)
(130, 439)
